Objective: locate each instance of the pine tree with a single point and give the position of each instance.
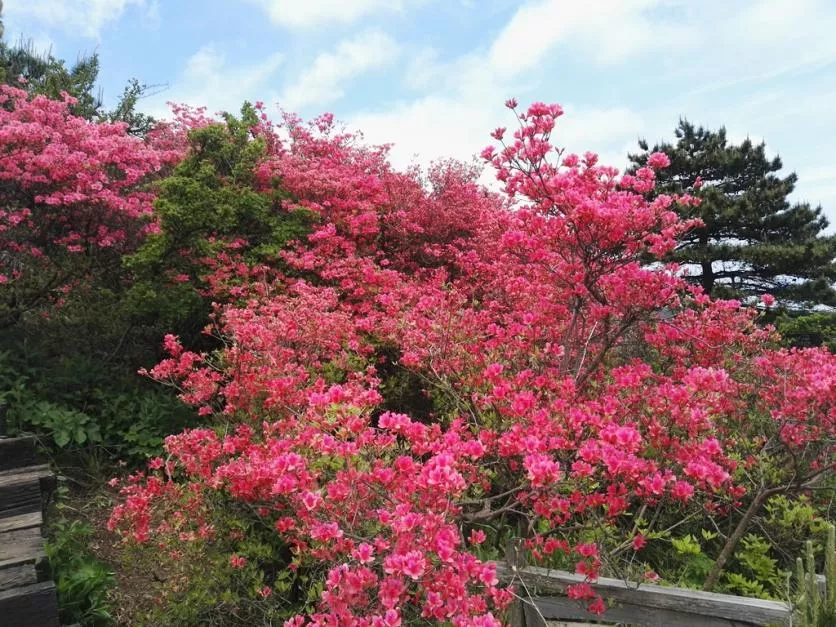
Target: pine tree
(754, 241)
(44, 74)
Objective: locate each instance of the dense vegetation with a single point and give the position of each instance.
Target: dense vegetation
(375, 379)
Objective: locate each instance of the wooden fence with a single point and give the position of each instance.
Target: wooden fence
(27, 599)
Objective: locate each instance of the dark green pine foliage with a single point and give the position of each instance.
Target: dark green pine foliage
(45, 75)
(754, 240)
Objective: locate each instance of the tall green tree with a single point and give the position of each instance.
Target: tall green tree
(754, 240)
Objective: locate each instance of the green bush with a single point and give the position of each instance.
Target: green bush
(84, 411)
(81, 580)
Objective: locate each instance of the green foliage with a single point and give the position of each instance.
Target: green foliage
(690, 564)
(81, 580)
(83, 410)
(757, 573)
(812, 329)
(814, 608)
(684, 543)
(47, 76)
(138, 123)
(764, 243)
(209, 201)
(198, 584)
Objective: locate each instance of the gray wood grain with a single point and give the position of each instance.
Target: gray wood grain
(20, 492)
(21, 544)
(17, 576)
(554, 608)
(17, 452)
(706, 604)
(21, 521)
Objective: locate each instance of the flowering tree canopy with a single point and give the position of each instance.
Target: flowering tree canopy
(558, 383)
(74, 197)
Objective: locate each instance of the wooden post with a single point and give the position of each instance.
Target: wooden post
(516, 561)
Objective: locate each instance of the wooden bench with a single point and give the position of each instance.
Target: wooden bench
(26, 598)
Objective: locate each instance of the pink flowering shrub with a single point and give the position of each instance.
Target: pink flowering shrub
(572, 386)
(74, 198)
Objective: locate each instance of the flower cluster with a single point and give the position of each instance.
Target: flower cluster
(74, 194)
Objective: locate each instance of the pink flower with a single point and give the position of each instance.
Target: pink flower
(364, 553)
(237, 561)
(597, 606)
(682, 490)
(414, 564)
(768, 300)
(658, 160)
(311, 500)
(477, 536)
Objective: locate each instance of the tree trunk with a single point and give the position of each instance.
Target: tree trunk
(707, 277)
(733, 539)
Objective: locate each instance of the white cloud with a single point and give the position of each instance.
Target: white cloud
(323, 81)
(462, 100)
(607, 31)
(312, 13)
(87, 17)
(208, 80)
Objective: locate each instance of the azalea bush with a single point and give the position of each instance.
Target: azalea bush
(75, 198)
(436, 368)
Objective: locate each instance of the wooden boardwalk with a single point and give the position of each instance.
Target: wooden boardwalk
(26, 598)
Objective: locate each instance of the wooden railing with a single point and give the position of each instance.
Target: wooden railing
(542, 600)
(542, 594)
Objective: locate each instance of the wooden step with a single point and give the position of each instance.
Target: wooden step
(21, 544)
(33, 605)
(17, 452)
(20, 492)
(21, 521)
(18, 575)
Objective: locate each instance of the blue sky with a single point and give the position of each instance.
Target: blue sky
(432, 75)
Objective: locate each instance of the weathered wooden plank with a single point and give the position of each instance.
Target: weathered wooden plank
(21, 544)
(17, 452)
(20, 492)
(17, 576)
(35, 605)
(553, 608)
(42, 470)
(21, 521)
(707, 604)
(17, 561)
